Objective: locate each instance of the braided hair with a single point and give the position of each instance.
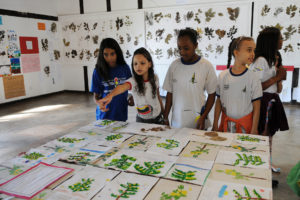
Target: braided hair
(235, 44)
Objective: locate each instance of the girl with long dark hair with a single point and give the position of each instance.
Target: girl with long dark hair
(110, 71)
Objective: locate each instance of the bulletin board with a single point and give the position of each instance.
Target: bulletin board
(82, 35)
(29, 48)
(216, 25)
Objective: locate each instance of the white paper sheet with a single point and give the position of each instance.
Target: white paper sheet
(86, 183)
(252, 139)
(225, 191)
(128, 186)
(242, 159)
(169, 146)
(190, 170)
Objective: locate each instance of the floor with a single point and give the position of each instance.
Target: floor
(29, 123)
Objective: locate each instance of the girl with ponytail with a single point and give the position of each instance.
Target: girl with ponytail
(238, 91)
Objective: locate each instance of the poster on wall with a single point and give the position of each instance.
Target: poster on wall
(30, 63)
(13, 50)
(5, 70)
(15, 65)
(13, 86)
(29, 45)
(4, 60)
(216, 25)
(82, 35)
(41, 26)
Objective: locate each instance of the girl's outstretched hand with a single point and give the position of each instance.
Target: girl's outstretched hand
(104, 102)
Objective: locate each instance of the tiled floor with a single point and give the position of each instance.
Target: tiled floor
(30, 123)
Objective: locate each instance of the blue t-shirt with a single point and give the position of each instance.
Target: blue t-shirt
(118, 107)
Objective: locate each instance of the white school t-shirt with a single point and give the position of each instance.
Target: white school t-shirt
(264, 72)
(147, 106)
(187, 83)
(237, 92)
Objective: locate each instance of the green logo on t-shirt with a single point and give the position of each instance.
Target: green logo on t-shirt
(193, 78)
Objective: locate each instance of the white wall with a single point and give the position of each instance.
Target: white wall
(67, 7)
(45, 7)
(124, 5)
(92, 6)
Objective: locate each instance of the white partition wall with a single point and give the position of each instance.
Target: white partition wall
(49, 78)
(155, 27)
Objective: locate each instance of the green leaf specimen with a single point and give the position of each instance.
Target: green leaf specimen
(33, 156)
(175, 194)
(253, 160)
(122, 163)
(150, 168)
(170, 144)
(181, 175)
(114, 137)
(84, 185)
(126, 191)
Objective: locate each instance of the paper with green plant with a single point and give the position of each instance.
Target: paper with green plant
(114, 139)
(35, 156)
(169, 146)
(190, 170)
(232, 191)
(127, 186)
(74, 139)
(242, 159)
(174, 190)
(87, 182)
(251, 139)
(121, 160)
(139, 142)
(248, 176)
(152, 164)
(200, 151)
(250, 148)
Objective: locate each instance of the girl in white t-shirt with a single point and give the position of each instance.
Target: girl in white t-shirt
(187, 81)
(145, 89)
(238, 91)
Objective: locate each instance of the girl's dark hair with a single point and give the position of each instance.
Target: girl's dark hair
(235, 44)
(191, 33)
(139, 79)
(101, 66)
(267, 44)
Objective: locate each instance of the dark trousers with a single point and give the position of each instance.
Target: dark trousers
(158, 120)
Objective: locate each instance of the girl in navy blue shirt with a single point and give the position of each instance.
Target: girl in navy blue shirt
(110, 71)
